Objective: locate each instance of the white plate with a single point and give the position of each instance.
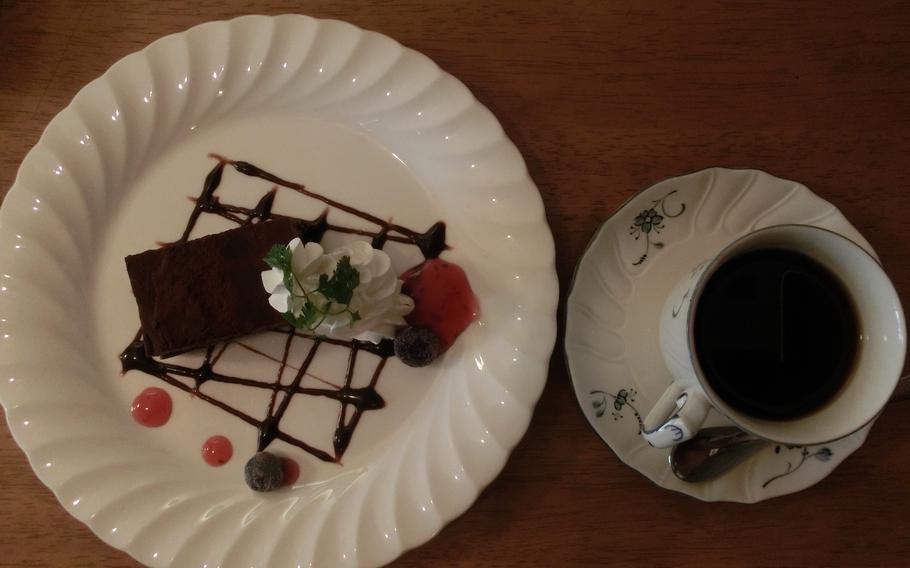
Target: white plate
(613, 308)
(352, 114)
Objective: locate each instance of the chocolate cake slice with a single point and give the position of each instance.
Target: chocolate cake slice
(207, 290)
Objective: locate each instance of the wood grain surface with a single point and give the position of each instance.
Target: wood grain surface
(602, 98)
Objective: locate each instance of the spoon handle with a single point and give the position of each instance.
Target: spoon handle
(712, 453)
(715, 451)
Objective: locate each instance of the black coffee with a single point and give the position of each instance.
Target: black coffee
(775, 334)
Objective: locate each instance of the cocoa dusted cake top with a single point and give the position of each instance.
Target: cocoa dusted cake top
(195, 293)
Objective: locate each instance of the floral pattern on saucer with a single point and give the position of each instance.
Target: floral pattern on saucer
(650, 222)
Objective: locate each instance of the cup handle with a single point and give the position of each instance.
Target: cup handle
(677, 416)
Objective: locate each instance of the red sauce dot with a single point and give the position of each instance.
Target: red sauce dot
(152, 408)
(217, 451)
(291, 471)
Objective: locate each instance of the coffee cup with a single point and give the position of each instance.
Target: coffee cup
(841, 368)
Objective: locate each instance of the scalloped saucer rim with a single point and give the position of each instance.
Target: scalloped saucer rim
(608, 403)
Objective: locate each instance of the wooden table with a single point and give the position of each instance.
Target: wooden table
(602, 98)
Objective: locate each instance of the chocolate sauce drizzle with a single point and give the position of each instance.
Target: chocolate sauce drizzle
(354, 400)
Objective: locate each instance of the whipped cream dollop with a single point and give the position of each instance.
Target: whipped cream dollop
(377, 300)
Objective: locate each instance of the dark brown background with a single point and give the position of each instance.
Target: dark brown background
(602, 98)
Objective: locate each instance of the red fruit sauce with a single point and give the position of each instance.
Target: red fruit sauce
(443, 299)
(291, 471)
(152, 408)
(217, 451)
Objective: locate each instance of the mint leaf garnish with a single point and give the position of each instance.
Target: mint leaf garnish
(279, 256)
(340, 287)
(310, 316)
(337, 290)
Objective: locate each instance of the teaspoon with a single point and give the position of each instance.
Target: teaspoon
(715, 451)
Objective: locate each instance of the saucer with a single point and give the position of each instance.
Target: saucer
(614, 304)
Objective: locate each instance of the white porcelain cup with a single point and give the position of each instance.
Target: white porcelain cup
(683, 407)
